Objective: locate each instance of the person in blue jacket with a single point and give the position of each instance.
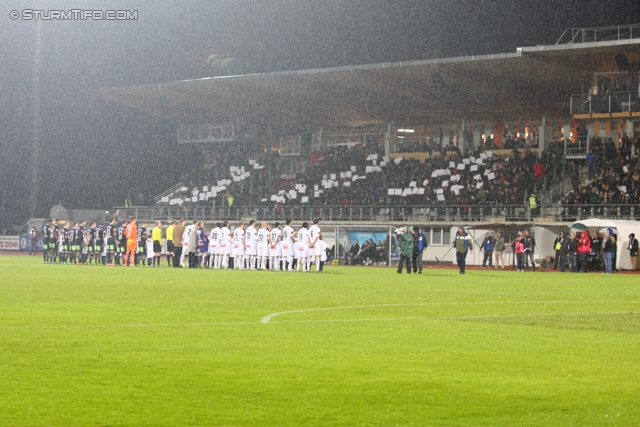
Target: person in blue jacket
(420, 244)
(462, 244)
(487, 247)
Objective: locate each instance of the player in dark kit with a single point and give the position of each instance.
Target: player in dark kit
(99, 244)
(78, 244)
(71, 234)
(66, 243)
(54, 234)
(46, 236)
(110, 232)
(122, 242)
(141, 253)
(90, 239)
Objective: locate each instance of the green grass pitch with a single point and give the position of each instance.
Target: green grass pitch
(107, 346)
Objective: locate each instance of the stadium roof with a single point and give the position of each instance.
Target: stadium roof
(513, 86)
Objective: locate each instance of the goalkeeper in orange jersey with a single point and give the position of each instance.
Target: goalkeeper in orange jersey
(131, 233)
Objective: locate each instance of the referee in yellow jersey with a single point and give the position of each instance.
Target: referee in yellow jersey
(169, 236)
(156, 236)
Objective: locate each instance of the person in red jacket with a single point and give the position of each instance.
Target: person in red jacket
(538, 175)
(584, 247)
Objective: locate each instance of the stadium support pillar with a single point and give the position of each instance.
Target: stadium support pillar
(462, 144)
(614, 132)
(387, 141)
(591, 129)
(543, 135)
(602, 131)
(477, 136)
(566, 130)
(629, 128)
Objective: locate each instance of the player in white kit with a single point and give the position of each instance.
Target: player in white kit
(314, 250)
(323, 255)
(274, 247)
(224, 243)
(186, 236)
(238, 247)
(262, 246)
(302, 247)
(250, 245)
(286, 246)
(214, 259)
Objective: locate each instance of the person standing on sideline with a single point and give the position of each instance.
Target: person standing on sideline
(633, 250)
(404, 241)
(33, 241)
(557, 247)
(519, 248)
(414, 253)
(487, 247)
(608, 250)
(573, 252)
(462, 243)
(565, 250)
(422, 246)
(584, 248)
(178, 232)
(498, 250)
(529, 247)
(596, 248)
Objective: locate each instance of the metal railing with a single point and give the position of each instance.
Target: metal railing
(386, 213)
(169, 192)
(218, 132)
(598, 34)
(616, 102)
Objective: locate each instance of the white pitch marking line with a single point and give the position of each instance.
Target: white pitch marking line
(267, 318)
(175, 325)
(488, 316)
(148, 325)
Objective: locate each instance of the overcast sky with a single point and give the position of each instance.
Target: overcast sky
(172, 41)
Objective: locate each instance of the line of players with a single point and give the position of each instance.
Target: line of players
(272, 247)
(276, 248)
(75, 243)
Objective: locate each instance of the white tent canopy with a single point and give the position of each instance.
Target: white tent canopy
(623, 227)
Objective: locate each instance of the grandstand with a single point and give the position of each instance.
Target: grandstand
(444, 140)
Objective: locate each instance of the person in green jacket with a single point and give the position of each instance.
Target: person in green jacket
(462, 244)
(498, 252)
(404, 241)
